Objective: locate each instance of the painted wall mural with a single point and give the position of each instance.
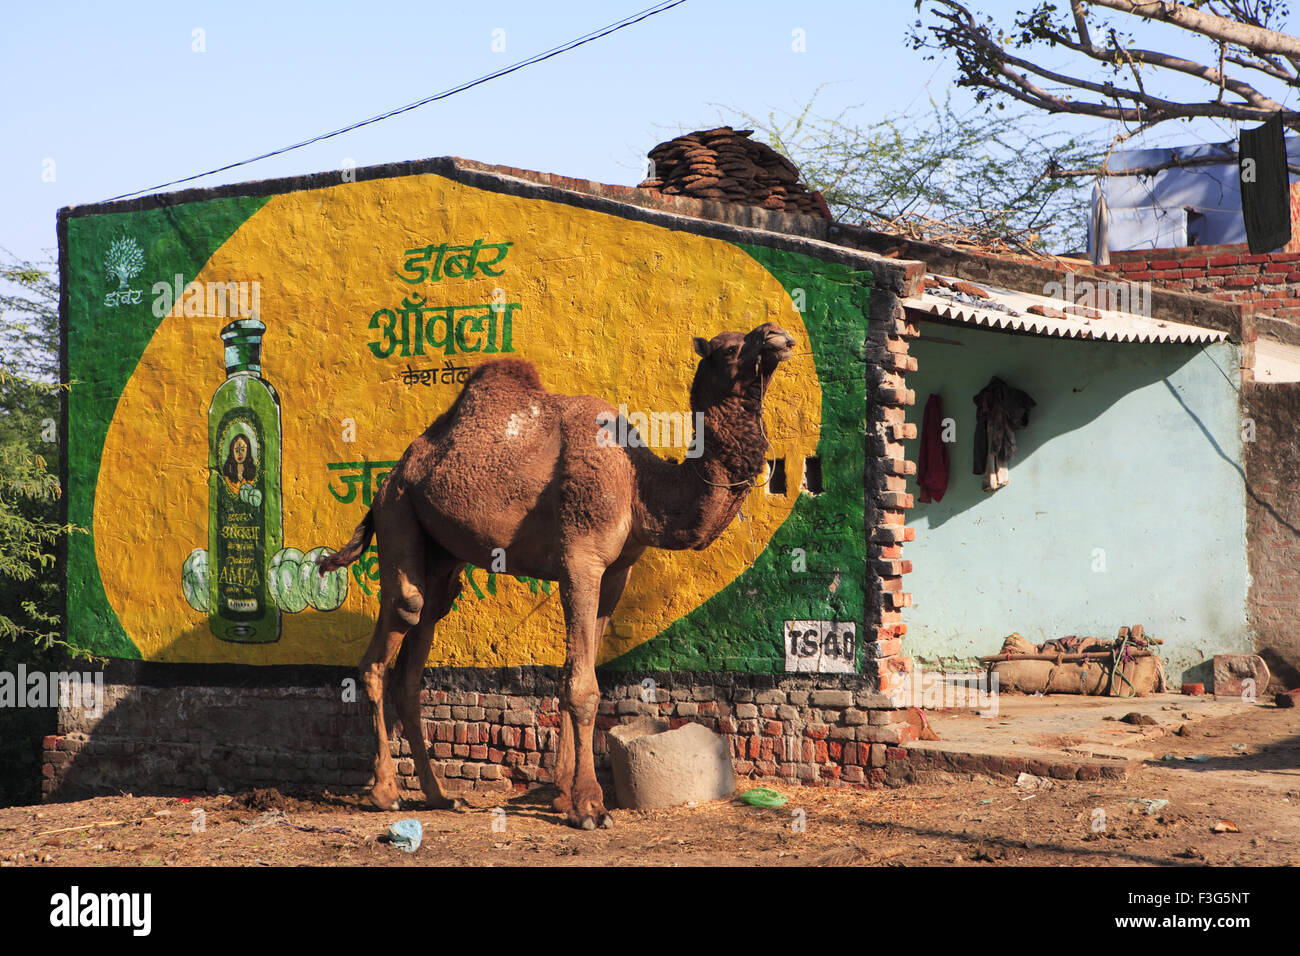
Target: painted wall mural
(248, 368)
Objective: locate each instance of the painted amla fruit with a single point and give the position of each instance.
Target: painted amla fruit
(324, 592)
(194, 579)
(282, 577)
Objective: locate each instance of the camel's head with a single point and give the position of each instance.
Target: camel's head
(732, 363)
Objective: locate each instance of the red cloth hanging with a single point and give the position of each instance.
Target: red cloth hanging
(932, 466)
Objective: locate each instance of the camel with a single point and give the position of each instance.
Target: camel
(513, 466)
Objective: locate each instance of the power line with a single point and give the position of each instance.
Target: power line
(628, 21)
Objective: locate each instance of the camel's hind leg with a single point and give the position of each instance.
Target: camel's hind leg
(402, 578)
(441, 590)
(374, 678)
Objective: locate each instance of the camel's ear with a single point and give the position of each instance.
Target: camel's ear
(701, 346)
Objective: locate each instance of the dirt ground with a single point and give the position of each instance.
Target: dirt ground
(1249, 789)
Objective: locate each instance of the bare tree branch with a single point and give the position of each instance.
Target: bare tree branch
(1235, 31)
(1151, 170)
(1164, 108)
(977, 175)
(1270, 66)
(1167, 61)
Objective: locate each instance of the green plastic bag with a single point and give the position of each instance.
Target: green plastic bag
(763, 797)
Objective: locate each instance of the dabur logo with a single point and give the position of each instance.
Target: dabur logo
(123, 261)
(76, 909)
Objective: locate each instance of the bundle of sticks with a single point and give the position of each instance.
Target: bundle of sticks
(957, 230)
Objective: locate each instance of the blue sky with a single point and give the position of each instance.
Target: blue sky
(116, 97)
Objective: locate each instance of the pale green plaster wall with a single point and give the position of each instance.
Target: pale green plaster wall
(1132, 457)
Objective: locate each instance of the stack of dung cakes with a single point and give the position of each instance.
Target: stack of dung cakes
(724, 164)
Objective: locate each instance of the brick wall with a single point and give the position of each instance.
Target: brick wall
(1230, 273)
(491, 732)
(887, 499)
(166, 728)
(1273, 526)
(176, 728)
(736, 214)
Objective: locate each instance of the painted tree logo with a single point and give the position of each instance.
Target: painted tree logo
(124, 260)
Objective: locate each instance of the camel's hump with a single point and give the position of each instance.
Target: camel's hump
(520, 373)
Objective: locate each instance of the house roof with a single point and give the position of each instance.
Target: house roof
(1004, 273)
(956, 300)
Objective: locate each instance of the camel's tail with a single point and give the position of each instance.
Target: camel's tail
(353, 549)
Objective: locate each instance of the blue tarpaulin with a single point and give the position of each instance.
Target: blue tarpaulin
(1186, 206)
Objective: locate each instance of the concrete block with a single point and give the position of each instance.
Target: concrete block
(1234, 674)
(655, 766)
(832, 698)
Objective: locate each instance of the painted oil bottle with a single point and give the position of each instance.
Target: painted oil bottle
(245, 525)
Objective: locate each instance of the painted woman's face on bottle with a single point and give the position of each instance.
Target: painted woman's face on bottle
(239, 449)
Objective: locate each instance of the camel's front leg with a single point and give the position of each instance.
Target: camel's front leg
(587, 610)
(579, 696)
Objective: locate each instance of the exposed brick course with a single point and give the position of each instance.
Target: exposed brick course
(1229, 273)
(308, 738)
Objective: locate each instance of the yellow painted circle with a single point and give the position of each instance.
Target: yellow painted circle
(608, 307)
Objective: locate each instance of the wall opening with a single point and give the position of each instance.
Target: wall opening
(812, 476)
(776, 482)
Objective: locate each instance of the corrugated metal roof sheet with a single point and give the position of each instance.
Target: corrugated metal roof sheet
(1008, 309)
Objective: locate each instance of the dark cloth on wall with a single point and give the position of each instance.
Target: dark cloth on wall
(1265, 196)
(932, 464)
(999, 411)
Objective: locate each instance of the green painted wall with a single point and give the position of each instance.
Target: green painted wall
(324, 259)
(1126, 503)
(740, 628)
(103, 345)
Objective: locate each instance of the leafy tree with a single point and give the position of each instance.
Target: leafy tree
(941, 174)
(30, 529)
(29, 318)
(29, 452)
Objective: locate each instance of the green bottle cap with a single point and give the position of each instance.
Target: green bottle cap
(243, 339)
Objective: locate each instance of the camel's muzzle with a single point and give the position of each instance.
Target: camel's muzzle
(779, 344)
(777, 347)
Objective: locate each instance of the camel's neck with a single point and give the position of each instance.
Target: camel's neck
(688, 505)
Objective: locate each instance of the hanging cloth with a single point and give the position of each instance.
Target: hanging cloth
(932, 463)
(1265, 186)
(1099, 228)
(999, 411)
